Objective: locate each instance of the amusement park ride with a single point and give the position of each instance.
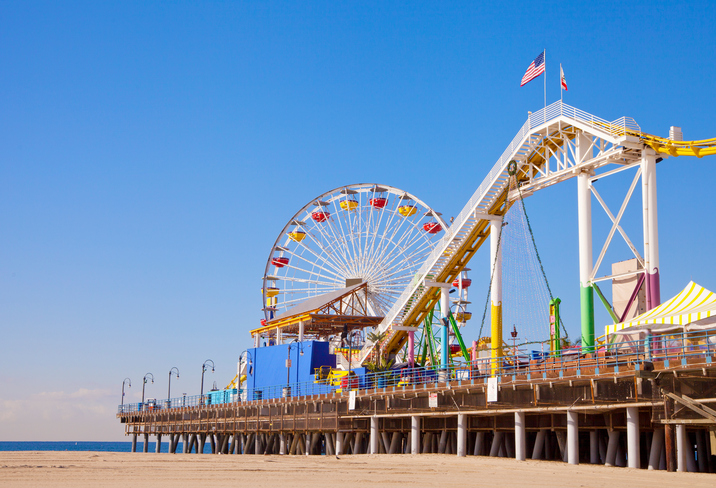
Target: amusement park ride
(377, 264)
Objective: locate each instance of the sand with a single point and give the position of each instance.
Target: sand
(93, 469)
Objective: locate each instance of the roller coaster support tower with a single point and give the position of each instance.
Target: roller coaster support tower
(555, 144)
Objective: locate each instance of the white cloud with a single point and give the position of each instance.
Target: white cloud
(84, 414)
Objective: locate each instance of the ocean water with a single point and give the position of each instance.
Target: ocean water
(78, 446)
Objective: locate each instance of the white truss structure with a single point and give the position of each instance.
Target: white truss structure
(555, 144)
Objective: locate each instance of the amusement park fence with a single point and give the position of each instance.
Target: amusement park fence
(639, 354)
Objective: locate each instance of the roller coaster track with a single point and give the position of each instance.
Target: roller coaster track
(544, 151)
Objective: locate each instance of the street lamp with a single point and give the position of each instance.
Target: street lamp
(203, 370)
(126, 380)
(174, 370)
(144, 384)
(287, 390)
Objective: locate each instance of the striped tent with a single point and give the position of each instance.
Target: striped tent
(694, 308)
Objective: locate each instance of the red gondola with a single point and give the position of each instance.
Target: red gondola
(263, 322)
(432, 227)
(279, 262)
(466, 282)
(320, 216)
(379, 202)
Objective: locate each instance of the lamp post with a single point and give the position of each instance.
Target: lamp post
(126, 380)
(203, 370)
(174, 370)
(144, 384)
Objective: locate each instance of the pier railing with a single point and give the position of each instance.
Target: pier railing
(665, 351)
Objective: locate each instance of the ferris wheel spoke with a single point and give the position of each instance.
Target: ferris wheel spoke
(423, 249)
(335, 257)
(375, 249)
(337, 239)
(293, 279)
(302, 258)
(387, 239)
(294, 291)
(335, 264)
(347, 212)
(412, 234)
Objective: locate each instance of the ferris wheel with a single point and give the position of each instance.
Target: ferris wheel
(359, 233)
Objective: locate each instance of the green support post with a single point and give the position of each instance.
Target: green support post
(587, 306)
(455, 329)
(555, 343)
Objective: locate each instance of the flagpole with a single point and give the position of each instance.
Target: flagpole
(545, 84)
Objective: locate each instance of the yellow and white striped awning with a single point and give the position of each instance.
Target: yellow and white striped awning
(694, 305)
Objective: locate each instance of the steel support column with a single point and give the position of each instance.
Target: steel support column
(415, 435)
(633, 454)
(651, 228)
(496, 293)
(584, 209)
(520, 437)
(374, 435)
(461, 435)
(572, 437)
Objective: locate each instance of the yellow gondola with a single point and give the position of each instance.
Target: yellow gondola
(463, 316)
(349, 204)
(407, 210)
(297, 235)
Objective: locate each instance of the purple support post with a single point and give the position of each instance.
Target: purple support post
(411, 348)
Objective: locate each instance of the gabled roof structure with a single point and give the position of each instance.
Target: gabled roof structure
(326, 314)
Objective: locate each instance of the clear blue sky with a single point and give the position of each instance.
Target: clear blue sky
(151, 151)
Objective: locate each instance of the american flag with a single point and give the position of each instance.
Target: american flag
(535, 69)
(562, 79)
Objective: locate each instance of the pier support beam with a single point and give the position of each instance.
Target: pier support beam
(185, 443)
(461, 435)
(612, 448)
(134, 442)
(657, 447)
(633, 454)
(572, 437)
(681, 447)
(479, 444)
(415, 435)
(520, 437)
(339, 443)
(538, 448)
(145, 444)
(496, 444)
(593, 447)
(282, 444)
(374, 435)
(158, 446)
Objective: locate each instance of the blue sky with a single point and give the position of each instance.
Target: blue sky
(151, 151)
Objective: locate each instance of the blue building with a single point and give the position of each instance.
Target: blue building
(267, 375)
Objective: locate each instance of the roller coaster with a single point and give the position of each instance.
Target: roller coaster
(554, 144)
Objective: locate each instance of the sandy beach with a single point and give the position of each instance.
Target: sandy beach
(92, 469)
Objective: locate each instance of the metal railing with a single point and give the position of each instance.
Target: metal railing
(527, 365)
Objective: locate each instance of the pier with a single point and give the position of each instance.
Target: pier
(623, 411)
